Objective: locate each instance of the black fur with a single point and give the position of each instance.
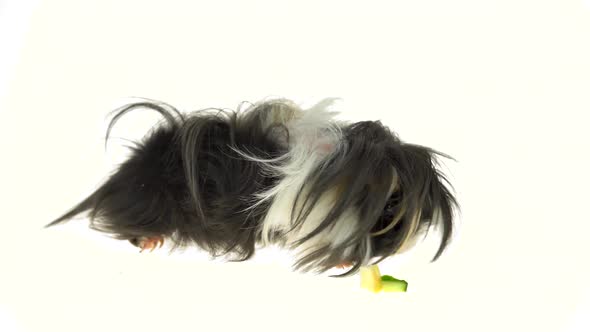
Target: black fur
(187, 182)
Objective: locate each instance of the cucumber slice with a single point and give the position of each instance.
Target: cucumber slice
(372, 280)
(386, 277)
(394, 285)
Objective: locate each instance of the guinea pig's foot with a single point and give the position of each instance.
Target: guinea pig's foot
(148, 243)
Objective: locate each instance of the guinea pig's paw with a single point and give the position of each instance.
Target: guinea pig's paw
(148, 242)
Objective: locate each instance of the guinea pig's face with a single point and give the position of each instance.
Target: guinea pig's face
(417, 199)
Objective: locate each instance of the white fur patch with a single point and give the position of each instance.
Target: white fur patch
(313, 136)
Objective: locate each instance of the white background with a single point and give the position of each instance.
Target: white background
(503, 86)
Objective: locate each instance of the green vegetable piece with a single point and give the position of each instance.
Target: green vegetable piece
(389, 278)
(391, 284)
